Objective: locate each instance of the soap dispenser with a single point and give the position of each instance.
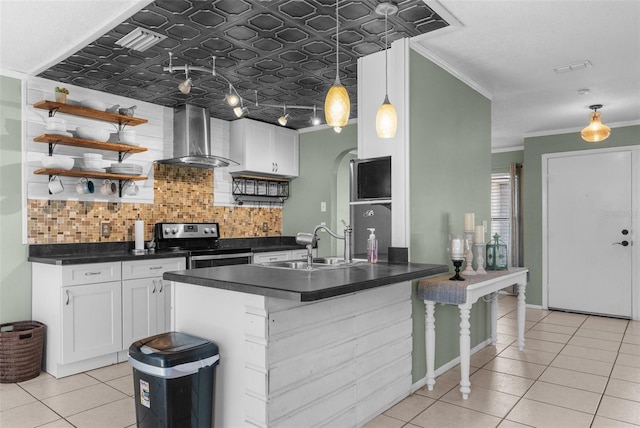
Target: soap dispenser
(372, 246)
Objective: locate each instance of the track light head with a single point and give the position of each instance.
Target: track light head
(185, 86)
(240, 111)
(282, 120)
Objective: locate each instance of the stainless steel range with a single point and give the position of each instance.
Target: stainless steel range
(201, 240)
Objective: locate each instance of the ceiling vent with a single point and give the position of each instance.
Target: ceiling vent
(573, 67)
(140, 39)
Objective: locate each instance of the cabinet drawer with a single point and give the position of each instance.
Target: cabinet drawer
(91, 273)
(151, 268)
(302, 254)
(275, 256)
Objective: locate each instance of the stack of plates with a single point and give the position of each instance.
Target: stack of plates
(125, 168)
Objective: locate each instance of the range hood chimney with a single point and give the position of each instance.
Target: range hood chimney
(192, 139)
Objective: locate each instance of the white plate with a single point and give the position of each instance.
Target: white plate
(94, 169)
(61, 133)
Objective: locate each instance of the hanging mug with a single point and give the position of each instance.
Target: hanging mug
(131, 188)
(108, 187)
(55, 185)
(85, 186)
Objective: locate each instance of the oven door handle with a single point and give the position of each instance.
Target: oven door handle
(221, 256)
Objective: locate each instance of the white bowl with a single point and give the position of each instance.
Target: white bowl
(128, 136)
(92, 156)
(96, 105)
(92, 163)
(55, 124)
(89, 133)
(58, 162)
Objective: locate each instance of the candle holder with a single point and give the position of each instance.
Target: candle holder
(480, 258)
(456, 250)
(468, 270)
(457, 277)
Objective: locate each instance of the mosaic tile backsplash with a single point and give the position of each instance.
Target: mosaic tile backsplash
(181, 194)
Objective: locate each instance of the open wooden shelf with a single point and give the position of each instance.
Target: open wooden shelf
(79, 173)
(90, 113)
(90, 144)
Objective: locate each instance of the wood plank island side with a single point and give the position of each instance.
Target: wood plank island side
(339, 361)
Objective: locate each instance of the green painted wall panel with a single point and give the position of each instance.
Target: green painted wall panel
(500, 161)
(450, 161)
(534, 148)
(15, 271)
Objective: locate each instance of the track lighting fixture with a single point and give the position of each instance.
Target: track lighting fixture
(337, 105)
(386, 118)
(233, 98)
(595, 131)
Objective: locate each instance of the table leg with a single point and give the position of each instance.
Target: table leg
(430, 329)
(494, 319)
(522, 311)
(465, 350)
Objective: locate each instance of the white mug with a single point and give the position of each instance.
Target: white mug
(85, 186)
(131, 189)
(108, 187)
(55, 185)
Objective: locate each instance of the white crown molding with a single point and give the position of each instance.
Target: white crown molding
(507, 149)
(578, 129)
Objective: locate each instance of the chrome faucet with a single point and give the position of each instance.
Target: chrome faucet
(348, 231)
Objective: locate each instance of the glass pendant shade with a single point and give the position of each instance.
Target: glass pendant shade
(595, 131)
(386, 120)
(337, 106)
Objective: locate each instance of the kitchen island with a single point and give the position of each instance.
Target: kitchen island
(327, 347)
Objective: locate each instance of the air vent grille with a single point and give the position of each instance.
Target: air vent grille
(140, 39)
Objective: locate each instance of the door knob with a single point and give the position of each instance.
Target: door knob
(623, 243)
(625, 232)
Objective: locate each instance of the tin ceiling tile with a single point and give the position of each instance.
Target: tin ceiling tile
(283, 49)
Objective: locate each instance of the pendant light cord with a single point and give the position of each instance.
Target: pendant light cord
(337, 46)
(386, 66)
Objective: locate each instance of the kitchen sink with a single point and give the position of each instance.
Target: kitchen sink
(318, 263)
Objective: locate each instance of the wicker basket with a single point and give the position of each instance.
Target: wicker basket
(21, 347)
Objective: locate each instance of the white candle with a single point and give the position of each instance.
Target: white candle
(469, 222)
(139, 234)
(479, 238)
(457, 249)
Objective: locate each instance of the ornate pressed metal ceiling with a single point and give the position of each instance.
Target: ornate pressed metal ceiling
(283, 49)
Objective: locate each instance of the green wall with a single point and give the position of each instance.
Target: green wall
(534, 148)
(321, 154)
(500, 161)
(450, 154)
(15, 271)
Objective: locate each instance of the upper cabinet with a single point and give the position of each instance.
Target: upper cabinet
(263, 149)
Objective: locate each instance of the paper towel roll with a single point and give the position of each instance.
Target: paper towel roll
(139, 233)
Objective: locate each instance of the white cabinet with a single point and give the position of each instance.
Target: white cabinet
(81, 307)
(91, 321)
(146, 298)
(94, 311)
(263, 148)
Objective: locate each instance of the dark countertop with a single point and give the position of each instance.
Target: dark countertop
(102, 252)
(302, 285)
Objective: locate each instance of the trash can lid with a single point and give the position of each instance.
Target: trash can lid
(171, 349)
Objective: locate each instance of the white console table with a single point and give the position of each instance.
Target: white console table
(465, 293)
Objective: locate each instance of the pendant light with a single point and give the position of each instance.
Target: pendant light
(595, 131)
(337, 104)
(185, 86)
(386, 118)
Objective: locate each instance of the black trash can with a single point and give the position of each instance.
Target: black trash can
(174, 380)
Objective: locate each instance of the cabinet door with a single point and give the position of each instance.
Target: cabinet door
(139, 306)
(163, 306)
(286, 152)
(258, 147)
(91, 320)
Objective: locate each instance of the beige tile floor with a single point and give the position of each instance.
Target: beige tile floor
(576, 371)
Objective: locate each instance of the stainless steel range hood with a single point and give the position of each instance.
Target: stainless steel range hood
(192, 139)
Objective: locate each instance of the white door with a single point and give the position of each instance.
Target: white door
(588, 220)
(139, 307)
